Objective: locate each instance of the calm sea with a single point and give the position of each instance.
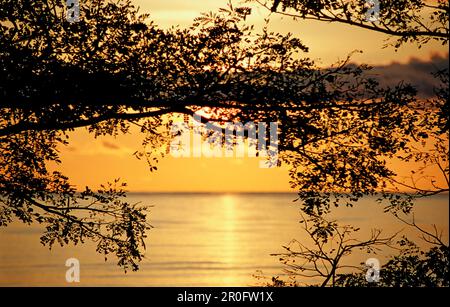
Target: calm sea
(199, 240)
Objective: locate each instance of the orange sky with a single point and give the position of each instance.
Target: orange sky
(89, 161)
(327, 41)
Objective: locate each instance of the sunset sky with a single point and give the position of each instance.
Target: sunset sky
(89, 161)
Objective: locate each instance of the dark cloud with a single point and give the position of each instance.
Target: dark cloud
(415, 72)
(110, 145)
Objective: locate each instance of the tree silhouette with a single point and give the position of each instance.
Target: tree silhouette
(321, 259)
(331, 244)
(412, 267)
(418, 22)
(408, 21)
(114, 68)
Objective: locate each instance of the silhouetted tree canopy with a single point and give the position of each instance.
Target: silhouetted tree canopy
(321, 255)
(114, 68)
(321, 258)
(412, 267)
(417, 21)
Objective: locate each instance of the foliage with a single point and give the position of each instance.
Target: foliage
(331, 174)
(323, 256)
(325, 262)
(417, 21)
(351, 161)
(115, 68)
(412, 267)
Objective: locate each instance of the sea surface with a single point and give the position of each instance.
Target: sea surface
(201, 240)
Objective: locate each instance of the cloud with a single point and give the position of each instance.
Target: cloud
(110, 145)
(415, 72)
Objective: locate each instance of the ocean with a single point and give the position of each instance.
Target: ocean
(201, 240)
